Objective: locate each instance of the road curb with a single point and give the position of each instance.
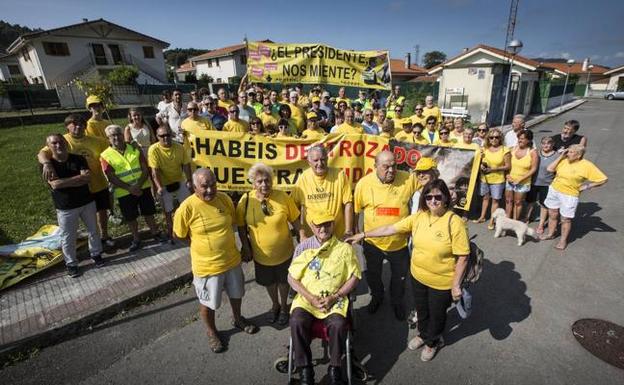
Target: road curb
(544, 117)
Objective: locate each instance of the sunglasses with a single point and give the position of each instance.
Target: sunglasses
(165, 136)
(192, 109)
(418, 109)
(495, 137)
(265, 208)
(254, 123)
(233, 111)
(443, 133)
(482, 129)
(437, 197)
(398, 110)
(430, 123)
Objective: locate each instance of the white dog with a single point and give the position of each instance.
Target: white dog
(503, 223)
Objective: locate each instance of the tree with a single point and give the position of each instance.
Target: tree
(433, 58)
(124, 75)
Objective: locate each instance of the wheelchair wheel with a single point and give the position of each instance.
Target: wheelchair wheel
(359, 371)
(281, 364)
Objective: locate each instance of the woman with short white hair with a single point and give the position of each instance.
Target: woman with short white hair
(263, 216)
(573, 175)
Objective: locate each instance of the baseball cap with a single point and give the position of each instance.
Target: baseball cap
(93, 99)
(425, 164)
(312, 116)
(326, 94)
(320, 217)
(315, 99)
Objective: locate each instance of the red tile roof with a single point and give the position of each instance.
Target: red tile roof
(224, 51)
(186, 67)
(397, 67)
(576, 68)
(496, 51)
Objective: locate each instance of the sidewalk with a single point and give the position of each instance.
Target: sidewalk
(38, 311)
(537, 119)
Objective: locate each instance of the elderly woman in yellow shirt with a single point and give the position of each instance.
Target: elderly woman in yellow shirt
(572, 173)
(440, 247)
(524, 163)
(262, 217)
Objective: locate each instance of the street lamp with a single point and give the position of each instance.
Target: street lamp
(565, 85)
(514, 47)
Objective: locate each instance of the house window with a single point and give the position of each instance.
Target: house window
(148, 52)
(219, 80)
(243, 60)
(14, 70)
(26, 54)
(217, 62)
(209, 63)
(55, 49)
(99, 55)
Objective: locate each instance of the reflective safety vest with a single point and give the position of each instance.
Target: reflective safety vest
(400, 101)
(127, 167)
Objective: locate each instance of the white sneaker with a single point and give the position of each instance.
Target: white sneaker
(428, 353)
(415, 343)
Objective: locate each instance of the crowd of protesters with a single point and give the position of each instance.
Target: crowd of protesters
(407, 217)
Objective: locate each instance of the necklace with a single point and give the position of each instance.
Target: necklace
(429, 219)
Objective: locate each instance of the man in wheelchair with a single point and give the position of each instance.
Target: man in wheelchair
(323, 272)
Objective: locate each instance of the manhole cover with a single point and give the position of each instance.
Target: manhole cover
(603, 339)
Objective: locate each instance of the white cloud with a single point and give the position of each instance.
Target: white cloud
(565, 55)
(619, 55)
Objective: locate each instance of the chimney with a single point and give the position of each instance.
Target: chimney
(408, 60)
(465, 50)
(84, 20)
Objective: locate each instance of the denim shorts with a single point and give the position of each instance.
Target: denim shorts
(518, 187)
(495, 190)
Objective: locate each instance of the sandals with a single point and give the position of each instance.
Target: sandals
(215, 344)
(547, 237)
(282, 319)
(480, 220)
(245, 326)
(274, 315)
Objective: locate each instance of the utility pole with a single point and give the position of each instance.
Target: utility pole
(417, 54)
(511, 23)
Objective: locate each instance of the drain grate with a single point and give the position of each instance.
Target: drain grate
(603, 339)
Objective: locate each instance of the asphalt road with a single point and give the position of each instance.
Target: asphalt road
(524, 305)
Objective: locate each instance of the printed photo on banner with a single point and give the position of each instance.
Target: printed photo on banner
(459, 168)
(317, 64)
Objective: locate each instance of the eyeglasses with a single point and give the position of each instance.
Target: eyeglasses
(265, 208)
(430, 123)
(192, 109)
(254, 123)
(368, 114)
(418, 109)
(444, 133)
(233, 111)
(164, 136)
(398, 110)
(437, 197)
(495, 137)
(482, 129)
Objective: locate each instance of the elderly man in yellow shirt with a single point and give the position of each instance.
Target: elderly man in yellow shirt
(223, 101)
(234, 123)
(324, 188)
(313, 131)
(297, 113)
(323, 273)
(383, 198)
(206, 219)
(432, 110)
(349, 126)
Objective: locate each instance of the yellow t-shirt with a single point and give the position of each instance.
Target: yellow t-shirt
(403, 136)
(209, 226)
(386, 135)
(298, 116)
(570, 177)
(89, 147)
(236, 126)
(398, 125)
(384, 204)
(346, 128)
(433, 111)
(270, 237)
(457, 136)
(201, 123)
(520, 166)
(268, 120)
(225, 104)
(96, 128)
(322, 272)
(329, 193)
(433, 248)
(450, 143)
(313, 134)
(494, 159)
(419, 119)
(168, 161)
(436, 136)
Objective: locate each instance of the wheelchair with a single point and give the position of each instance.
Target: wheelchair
(355, 369)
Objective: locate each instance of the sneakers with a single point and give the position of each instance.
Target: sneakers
(108, 242)
(73, 271)
(415, 343)
(135, 245)
(99, 262)
(428, 353)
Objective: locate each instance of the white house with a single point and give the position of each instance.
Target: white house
(616, 79)
(58, 56)
(9, 68)
(222, 64)
(476, 80)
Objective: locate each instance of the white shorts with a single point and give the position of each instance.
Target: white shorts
(209, 288)
(180, 194)
(564, 202)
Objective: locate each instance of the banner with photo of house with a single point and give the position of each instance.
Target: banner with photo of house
(317, 64)
(230, 155)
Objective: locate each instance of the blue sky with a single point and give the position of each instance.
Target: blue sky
(548, 28)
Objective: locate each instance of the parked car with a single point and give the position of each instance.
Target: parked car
(614, 95)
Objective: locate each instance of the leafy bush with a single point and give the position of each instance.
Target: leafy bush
(101, 88)
(124, 75)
